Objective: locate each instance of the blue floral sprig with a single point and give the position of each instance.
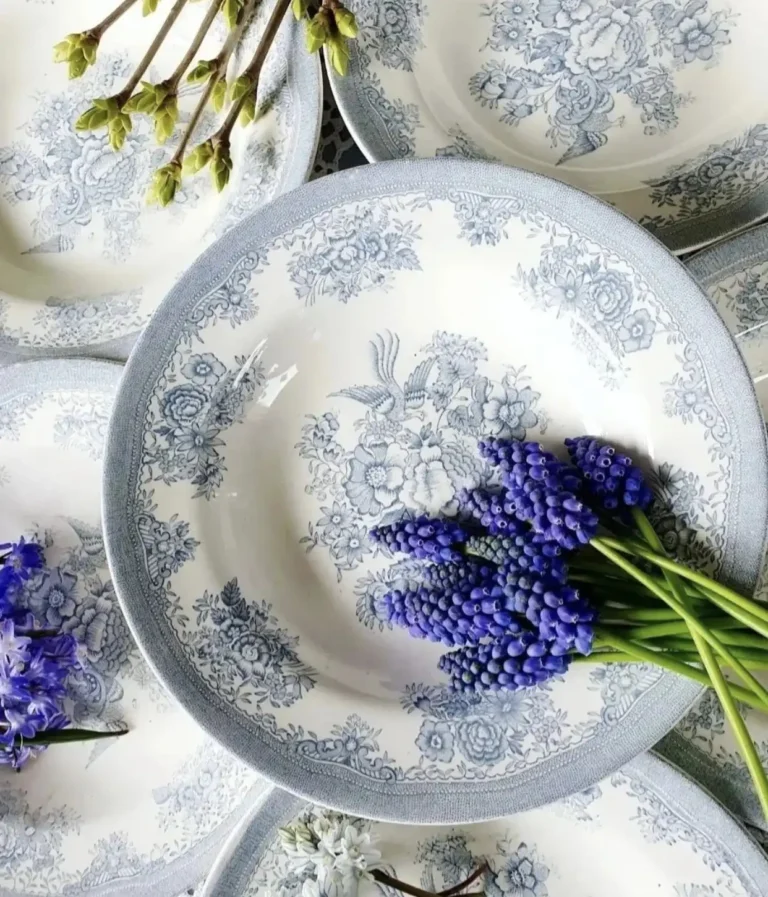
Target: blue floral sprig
(35, 663)
(532, 576)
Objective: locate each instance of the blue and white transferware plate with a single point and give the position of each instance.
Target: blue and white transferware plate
(143, 814)
(646, 830)
(634, 100)
(735, 275)
(84, 261)
(332, 364)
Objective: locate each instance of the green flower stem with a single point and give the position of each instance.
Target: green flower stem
(104, 24)
(701, 635)
(221, 66)
(683, 643)
(718, 625)
(685, 657)
(743, 616)
(253, 71)
(170, 20)
(704, 644)
(736, 638)
(710, 585)
(197, 41)
(643, 654)
(62, 736)
(645, 615)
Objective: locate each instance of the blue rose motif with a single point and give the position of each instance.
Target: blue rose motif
(104, 175)
(606, 45)
(392, 20)
(563, 13)
(324, 431)
(53, 599)
(481, 741)
(522, 875)
(507, 411)
(376, 476)
(250, 653)
(204, 370)
(636, 331)
(435, 741)
(495, 84)
(696, 33)
(611, 296)
(183, 404)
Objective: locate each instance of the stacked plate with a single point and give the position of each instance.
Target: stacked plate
(330, 362)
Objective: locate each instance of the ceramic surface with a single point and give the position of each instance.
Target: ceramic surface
(143, 814)
(613, 96)
(647, 818)
(735, 275)
(84, 261)
(332, 364)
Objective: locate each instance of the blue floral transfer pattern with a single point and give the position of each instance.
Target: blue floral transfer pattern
(577, 57)
(415, 443)
(392, 29)
(745, 296)
(243, 655)
(345, 252)
(72, 179)
(515, 870)
(722, 175)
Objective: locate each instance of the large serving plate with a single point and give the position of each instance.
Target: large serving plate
(645, 830)
(84, 261)
(735, 275)
(617, 98)
(332, 364)
(142, 814)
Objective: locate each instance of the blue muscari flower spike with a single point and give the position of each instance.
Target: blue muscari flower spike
(525, 553)
(513, 661)
(455, 604)
(613, 479)
(492, 511)
(540, 490)
(424, 538)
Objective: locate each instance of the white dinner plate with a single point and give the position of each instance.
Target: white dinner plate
(142, 814)
(84, 261)
(646, 830)
(656, 105)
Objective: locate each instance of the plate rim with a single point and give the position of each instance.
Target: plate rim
(680, 238)
(305, 77)
(242, 851)
(103, 377)
(419, 802)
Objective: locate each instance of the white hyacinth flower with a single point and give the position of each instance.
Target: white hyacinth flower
(356, 854)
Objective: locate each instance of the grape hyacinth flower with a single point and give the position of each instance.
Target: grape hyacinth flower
(513, 661)
(526, 552)
(424, 538)
(611, 478)
(492, 510)
(35, 664)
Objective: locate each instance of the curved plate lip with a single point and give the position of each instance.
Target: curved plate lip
(304, 74)
(411, 802)
(103, 377)
(680, 238)
(731, 256)
(242, 851)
